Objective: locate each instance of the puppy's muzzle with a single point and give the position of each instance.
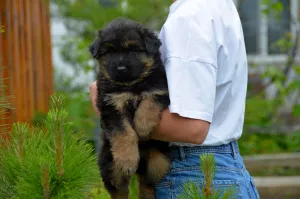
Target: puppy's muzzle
(121, 68)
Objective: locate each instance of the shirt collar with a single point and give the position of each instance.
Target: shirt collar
(175, 5)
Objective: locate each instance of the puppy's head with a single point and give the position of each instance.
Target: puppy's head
(125, 50)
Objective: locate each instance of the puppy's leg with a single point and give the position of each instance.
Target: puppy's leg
(125, 152)
(146, 191)
(147, 117)
(105, 164)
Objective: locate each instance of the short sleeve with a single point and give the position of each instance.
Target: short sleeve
(190, 58)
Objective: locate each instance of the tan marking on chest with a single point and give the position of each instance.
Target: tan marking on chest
(120, 100)
(153, 93)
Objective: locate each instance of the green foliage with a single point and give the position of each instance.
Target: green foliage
(192, 190)
(48, 161)
(296, 110)
(208, 168)
(272, 7)
(101, 193)
(134, 188)
(258, 111)
(284, 44)
(80, 112)
(257, 143)
(280, 171)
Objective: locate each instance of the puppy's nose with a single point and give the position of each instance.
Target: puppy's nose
(121, 68)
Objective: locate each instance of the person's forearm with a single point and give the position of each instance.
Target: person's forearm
(174, 128)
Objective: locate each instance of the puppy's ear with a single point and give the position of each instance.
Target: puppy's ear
(152, 42)
(95, 47)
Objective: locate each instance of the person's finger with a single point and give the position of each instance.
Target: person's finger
(93, 96)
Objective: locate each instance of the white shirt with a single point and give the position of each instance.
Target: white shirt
(203, 50)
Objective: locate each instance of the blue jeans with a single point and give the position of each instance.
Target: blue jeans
(231, 171)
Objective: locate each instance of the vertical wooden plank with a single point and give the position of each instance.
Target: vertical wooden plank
(22, 64)
(6, 54)
(9, 73)
(49, 49)
(45, 52)
(2, 114)
(15, 60)
(49, 40)
(29, 61)
(1, 59)
(39, 98)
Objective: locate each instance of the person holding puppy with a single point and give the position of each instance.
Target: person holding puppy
(204, 54)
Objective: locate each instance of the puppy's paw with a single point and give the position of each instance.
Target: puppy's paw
(125, 163)
(146, 118)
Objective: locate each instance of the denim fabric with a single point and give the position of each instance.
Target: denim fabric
(231, 171)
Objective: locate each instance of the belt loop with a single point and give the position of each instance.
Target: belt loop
(233, 149)
(181, 152)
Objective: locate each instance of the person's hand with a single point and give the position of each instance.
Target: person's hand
(93, 96)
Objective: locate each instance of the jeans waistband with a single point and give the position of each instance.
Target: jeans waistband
(230, 148)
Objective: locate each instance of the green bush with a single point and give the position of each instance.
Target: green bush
(258, 143)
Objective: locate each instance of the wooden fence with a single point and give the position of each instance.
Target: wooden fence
(25, 51)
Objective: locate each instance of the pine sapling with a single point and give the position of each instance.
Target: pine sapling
(50, 161)
(192, 190)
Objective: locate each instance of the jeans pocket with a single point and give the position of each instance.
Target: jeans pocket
(253, 189)
(219, 189)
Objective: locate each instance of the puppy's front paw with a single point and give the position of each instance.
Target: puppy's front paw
(146, 118)
(125, 164)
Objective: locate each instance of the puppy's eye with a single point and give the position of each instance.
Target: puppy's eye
(107, 50)
(133, 49)
(110, 49)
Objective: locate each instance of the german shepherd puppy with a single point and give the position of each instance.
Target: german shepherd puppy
(132, 93)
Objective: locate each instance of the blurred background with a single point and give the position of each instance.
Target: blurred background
(44, 49)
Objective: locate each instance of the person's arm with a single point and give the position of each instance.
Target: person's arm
(174, 128)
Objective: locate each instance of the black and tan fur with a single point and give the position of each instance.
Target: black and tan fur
(132, 92)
